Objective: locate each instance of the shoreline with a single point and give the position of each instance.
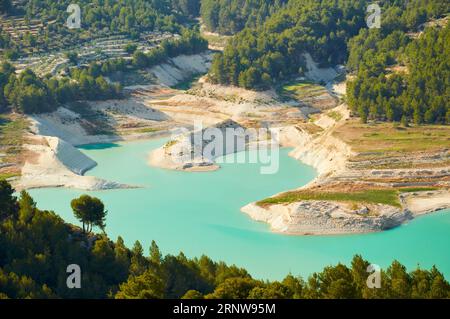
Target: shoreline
(288, 136)
(329, 157)
(315, 218)
(157, 108)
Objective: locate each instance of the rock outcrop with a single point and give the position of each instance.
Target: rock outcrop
(55, 163)
(327, 217)
(182, 67)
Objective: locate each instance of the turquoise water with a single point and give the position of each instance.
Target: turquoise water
(198, 213)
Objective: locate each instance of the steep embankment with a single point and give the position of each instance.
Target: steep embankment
(51, 159)
(212, 105)
(182, 67)
(53, 162)
(342, 174)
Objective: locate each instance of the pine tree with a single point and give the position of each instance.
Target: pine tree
(138, 262)
(27, 207)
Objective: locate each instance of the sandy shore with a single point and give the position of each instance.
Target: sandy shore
(53, 162)
(420, 203)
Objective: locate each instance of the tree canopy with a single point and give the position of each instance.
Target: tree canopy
(231, 16)
(90, 211)
(259, 56)
(400, 79)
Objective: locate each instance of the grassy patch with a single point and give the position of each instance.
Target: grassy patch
(147, 130)
(4, 176)
(385, 139)
(311, 128)
(216, 40)
(375, 196)
(337, 116)
(300, 90)
(188, 83)
(416, 189)
(306, 93)
(11, 130)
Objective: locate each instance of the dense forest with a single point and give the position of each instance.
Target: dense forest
(37, 246)
(259, 56)
(399, 79)
(231, 16)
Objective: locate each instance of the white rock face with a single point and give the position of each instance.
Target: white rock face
(327, 154)
(181, 68)
(56, 163)
(66, 125)
(70, 157)
(327, 217)
(199, 150)
(318, 74)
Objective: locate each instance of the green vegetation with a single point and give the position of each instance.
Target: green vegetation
(374, 196)
(190, 43)
(131, 48)
(37, 246)
(188, 83)
(299, 90)
(125, 71)
(337, 116)
(12, 129)
(47, 19)
(419, 95)
(416, 189)
(231, 16)
(27, 93)
(170, 144)
(5, 6)
(146, 130)
(90, 211)
(260, 56)
(4, 176)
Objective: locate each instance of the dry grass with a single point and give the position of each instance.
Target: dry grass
(385, 139)
(12, 131)
(309, 127)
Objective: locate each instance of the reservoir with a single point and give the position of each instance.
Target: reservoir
(199, 213)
